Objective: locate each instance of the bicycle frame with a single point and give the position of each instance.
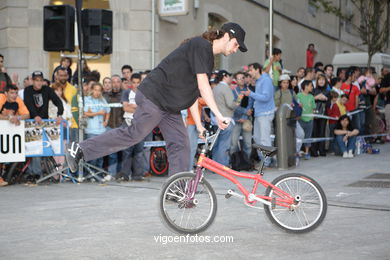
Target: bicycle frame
(284, 199)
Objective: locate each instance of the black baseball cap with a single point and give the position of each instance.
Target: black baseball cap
(37, 73)
(223, 73)
(237, 32)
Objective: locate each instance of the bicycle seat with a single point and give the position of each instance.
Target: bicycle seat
(269, 150)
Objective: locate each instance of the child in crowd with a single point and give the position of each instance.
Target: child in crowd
(97, 116)
(345, 136)
(308, 104)
(336, 86)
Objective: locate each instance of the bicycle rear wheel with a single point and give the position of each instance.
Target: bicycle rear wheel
(306, 213)
(182, 214)
(14, 173)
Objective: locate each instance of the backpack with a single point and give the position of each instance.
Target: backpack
(240, 162)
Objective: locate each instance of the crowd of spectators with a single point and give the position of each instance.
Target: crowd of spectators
(250, 97)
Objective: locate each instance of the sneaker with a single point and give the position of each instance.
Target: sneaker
(350, 154)
(388, 138)
(73, 155)
(345, 154)
(307, 156)
(138, 179)
(108, 177)
(3, 182)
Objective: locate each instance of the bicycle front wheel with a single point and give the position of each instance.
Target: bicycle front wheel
(308, 210)
(185, 215)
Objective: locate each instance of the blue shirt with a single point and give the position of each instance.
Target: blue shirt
(241, 112)
(264, 96)
(95, 123)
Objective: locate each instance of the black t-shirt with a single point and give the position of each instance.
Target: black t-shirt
(385, 84)
(37, 102)
(172, 85)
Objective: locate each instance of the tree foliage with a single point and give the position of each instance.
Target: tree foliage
(374, 21)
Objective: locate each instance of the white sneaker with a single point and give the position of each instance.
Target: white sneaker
(345, 155)
(107, 178)
(350, 154)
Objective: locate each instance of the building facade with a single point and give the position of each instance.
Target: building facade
(142, 40)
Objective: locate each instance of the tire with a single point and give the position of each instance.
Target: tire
(158, 161)
(13, 173)
(182, 215)
(313, 211)
(50, 166)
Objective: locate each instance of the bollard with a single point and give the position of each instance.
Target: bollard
(282, 138)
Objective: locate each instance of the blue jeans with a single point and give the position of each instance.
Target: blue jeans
(114, 163)
(308, 129)
(246, 138)
(221, 148)
(146, 152)
(97, 162)
(193, 137)
(262, 133)
(351, 143)
(133, 161)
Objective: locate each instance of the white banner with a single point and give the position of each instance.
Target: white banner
(12, 145)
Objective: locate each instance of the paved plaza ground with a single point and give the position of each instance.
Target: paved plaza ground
(121, 221)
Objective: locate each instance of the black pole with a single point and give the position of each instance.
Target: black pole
(79, 4)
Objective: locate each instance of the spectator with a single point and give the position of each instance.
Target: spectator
(345, 136)
(285, 95)
(353, 92)
(97, 116)
(308, 105)
(276, 66)
(127, 71)
(107, 85)
(69, 91)
(242, 114)
(66, 63)
(310, 55)
(328, 69)
(385, 90)
(336, 84)
(4, 78)
(12, 108)
(264, 107)
(115, 121)
(132, 157)
(310, 75)
(126, 84)
(300, 73)
(333, 111)
(53, 110)
(36, 98)
(321, 96)
(341, 74)
(319, 66)
(84, 73)
(294, 84)
(226, 104)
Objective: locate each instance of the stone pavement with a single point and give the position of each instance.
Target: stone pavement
(121, 221)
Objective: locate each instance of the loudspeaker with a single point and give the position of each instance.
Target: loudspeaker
(97, 30)
(58, 28)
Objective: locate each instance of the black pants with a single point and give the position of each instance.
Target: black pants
(319, 128)
(146, 117)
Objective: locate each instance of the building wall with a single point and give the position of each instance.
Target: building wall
(21, 31)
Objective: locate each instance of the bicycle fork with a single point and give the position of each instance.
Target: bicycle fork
(193, 185)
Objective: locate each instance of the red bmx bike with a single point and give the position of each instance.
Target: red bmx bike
(293, 202)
